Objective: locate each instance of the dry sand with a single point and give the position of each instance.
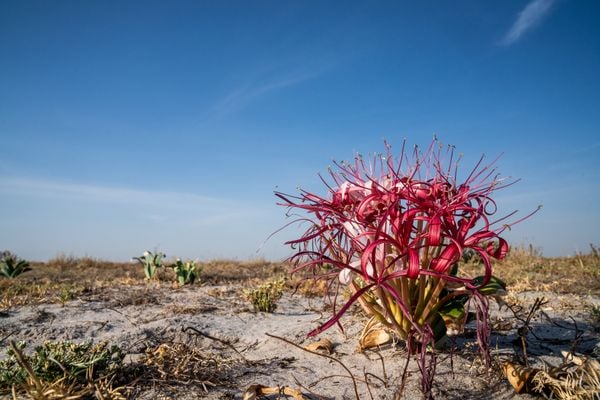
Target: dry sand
(141, 317)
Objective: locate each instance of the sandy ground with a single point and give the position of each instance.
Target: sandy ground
(218, 322)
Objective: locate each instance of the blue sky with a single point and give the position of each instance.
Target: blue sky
(130, 125)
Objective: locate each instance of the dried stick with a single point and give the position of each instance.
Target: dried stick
(22, 361)
(368, 386)
(301, 386)
(384, 380)
(322, 355)
(206, 335)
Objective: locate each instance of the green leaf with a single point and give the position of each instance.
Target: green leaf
(455, 308)
(494, 287)
(454, 270)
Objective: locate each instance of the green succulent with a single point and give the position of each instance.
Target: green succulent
(151, 262)
(186, 272)
(11, 266)
(77, 362)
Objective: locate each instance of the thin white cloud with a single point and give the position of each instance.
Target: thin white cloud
(527, 19)
(49, 188)
(45, 217)
(154, 206)
(157, 207)
(243, 96)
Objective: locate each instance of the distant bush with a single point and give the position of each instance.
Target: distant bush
(67, 262)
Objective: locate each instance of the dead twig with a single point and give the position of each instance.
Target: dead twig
(306, 389)
(21, 360)
(123, 314)
(368, 386)
(525, 328)
(321, 355)
(323, 378)
(385, 378)
(7, 336)
(206, 335)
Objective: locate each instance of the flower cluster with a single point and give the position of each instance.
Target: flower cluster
(393, 231)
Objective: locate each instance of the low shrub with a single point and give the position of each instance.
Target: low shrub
(264, 298)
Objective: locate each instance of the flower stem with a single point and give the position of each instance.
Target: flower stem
(432, 299)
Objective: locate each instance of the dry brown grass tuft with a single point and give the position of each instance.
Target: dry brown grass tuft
(22, 292)
(578, 378)
(310, 287)
(65, 278)
(224, 271)
(525, 268)
(182, 364)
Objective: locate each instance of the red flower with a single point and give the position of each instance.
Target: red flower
(388, 220)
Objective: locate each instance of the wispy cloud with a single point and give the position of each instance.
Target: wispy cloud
(45, 217)
(153, 206)
(246, 94)
(527, 19)
(49, 188)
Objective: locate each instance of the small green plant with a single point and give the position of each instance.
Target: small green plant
(264, 298)
(65, 294)
(73, 363)
(151, 263)
(12, 266)
(186, 272)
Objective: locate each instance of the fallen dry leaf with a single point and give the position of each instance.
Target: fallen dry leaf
(373, 338)
(519, 376)
(323, 344)
(254, 391)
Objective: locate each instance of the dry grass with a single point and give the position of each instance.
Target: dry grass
(224, 271)
(179, 363)
(66, 278)
(526, 269)
(310, 288)
(171, 363)
(572, 380)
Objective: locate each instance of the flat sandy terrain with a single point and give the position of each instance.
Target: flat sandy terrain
(228, 346)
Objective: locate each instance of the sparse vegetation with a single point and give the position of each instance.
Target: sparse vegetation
(264, 298)
(525, 268)
(65, 294)
(164, 363)
(176, 362)
(59, 369)
(65, 263)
